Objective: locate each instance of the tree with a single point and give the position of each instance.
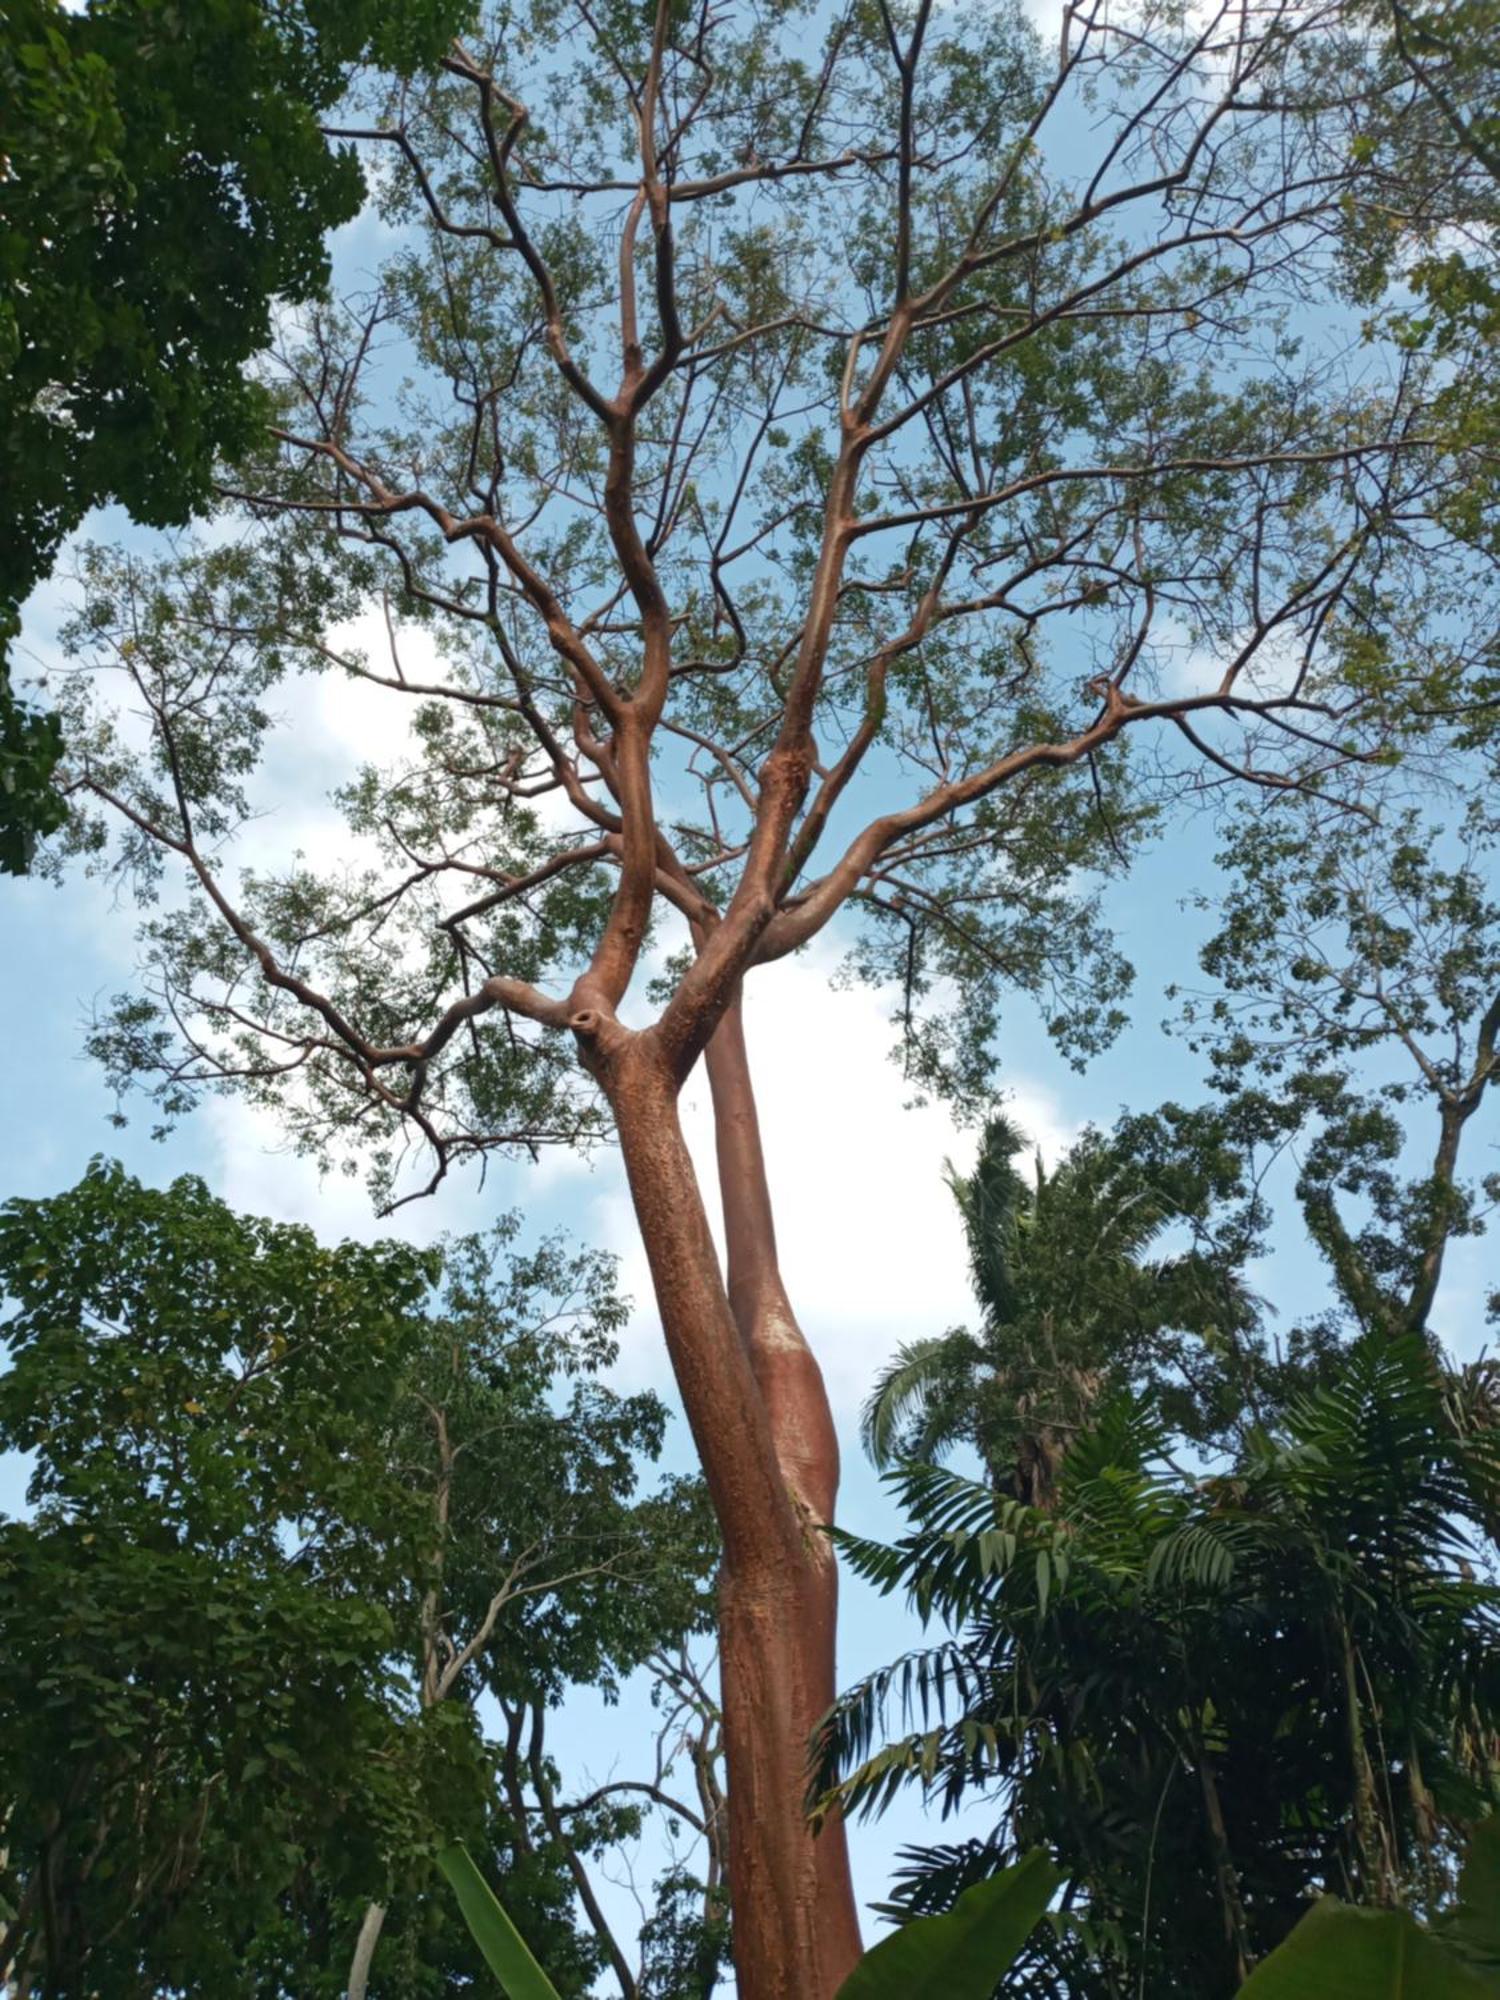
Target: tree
(164, 184)
(814, 446)
(1355, 996)
(1428, 82)
(1074, 1311)
(1356, 970)
(1353, 1015)
(1445, 133)
(538, 1577)
(1210, 1697)
(294, 1511)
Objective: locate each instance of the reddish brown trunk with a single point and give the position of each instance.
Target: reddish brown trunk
(786, 1370)
(755, 1403)
(803, 1437)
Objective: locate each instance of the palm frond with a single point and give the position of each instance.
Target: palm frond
(993, 1199)
(920, 1398)
(921, 1686)
(966, 1537)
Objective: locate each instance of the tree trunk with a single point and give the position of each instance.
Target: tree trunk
(1228, 1881)
(1455, 1114)
(759, 1416)
(364, 1950)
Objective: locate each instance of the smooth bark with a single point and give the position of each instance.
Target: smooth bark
(759, 1416)
(364, 1950)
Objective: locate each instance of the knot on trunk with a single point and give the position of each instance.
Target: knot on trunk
(601, 1036)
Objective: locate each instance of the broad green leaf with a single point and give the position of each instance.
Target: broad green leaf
(1474, 1925)
(961, 1955)
(504, 1948)
(1340, 1953)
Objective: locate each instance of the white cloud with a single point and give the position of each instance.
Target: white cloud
(258, 1174)
(330, 726)
(870, 1242)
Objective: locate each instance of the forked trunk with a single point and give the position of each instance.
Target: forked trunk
(759, 1416)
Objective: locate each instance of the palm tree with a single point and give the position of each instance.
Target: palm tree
(1211, 1697)
(1073, 1304)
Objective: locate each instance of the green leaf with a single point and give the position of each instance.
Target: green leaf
(961, 1955)
(1474, 1925)
(1340, 1953)
(497, 1937)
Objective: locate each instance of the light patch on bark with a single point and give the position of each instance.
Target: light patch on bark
(776, 1329)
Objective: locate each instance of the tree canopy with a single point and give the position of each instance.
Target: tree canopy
(295, 1507)
(165, 184)
(1090, 445)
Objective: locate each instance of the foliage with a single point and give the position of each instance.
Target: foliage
(165, 183)
(250, 1563)
(1338, 1953)
(685, 1941)
(504, 1949)
(958, 1956)
(789, 463)
(30, 746)
(1356, 990)
(1431, 122)
(953, 1957)
(1426, 72)
(1102, 445)
(1122, 1665)
(1074, 1307)
(1472, 1926)
(1335, 1952)
(1356, 997)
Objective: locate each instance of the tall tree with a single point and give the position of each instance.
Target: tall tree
(817, 444)
(294, 1512)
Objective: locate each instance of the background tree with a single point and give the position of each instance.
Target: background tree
(1357, 970)
(1330, 1725)
(1073, 1307)
(1211, 1698)
(294, 1513)
(1430, 114)
(164, 184)
(1355, 1008)
(538, 1577)
(1427, 79)
(684, 1940)
(815, 444)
